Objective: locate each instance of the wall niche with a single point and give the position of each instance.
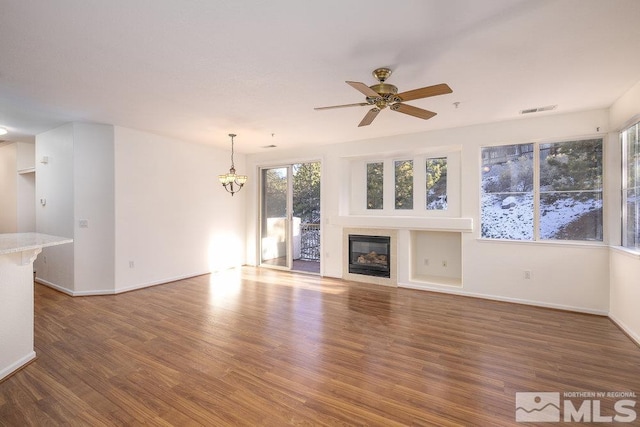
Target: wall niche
(436, 257)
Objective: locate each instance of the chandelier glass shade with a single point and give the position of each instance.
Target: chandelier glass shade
(231, 181)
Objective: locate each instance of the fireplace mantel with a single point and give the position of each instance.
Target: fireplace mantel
(463, 225)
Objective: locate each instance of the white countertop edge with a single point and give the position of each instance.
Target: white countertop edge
(20, 242)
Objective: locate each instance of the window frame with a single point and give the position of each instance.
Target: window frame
(624, 184)
(446, 187)
(536, 239)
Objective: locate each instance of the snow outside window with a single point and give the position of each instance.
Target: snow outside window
(436, 183)
(507, 192)
(631, 187)
(562, 202)
(571, 190)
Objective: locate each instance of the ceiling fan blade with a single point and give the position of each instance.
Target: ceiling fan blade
(363, 88)
(368, 118)
(413, 111)
(425, 92)
(359, 104)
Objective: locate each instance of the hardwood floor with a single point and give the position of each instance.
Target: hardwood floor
(261, 347)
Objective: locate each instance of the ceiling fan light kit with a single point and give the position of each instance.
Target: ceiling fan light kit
(383, 95)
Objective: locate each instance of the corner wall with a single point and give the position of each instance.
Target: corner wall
(173, 218)
(625, 265)
(93, 206)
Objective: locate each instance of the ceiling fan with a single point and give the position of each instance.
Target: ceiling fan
(383, 95)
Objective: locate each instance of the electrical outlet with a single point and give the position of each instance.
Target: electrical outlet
(131, 264)
(527, 274)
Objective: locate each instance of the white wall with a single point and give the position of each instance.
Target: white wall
(77, 184)
(568, 276)
(173, 218)
(127, 196)
(26, 191)
(8, 189)
(94, 205)
(625, 265)
(54, 184)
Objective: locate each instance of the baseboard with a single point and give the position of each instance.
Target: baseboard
(157, 282)
(627, 330)
(95, 292)
(506, 299)
(17, 365)
(54, 286)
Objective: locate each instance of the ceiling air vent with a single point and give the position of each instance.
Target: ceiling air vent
(538, 109)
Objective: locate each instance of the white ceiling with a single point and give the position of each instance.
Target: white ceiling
(198, 70)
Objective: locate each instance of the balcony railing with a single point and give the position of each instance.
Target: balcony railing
(310, 242)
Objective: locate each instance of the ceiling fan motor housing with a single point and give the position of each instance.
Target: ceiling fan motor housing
(387, 95)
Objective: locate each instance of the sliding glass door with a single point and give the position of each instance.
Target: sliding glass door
(275, 215)
(290, 217)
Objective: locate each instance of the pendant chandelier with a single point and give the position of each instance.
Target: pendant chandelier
(230, 181)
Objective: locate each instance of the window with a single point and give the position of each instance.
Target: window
(571, 190)
(507, 192)
(436, 183)
(631, 187)
(404, 184)
(565, 201)
(375, 182)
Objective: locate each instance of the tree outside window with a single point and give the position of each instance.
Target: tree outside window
(571, 190)
(569, 187)
(375, 183)
(404, 184)
(436, 183)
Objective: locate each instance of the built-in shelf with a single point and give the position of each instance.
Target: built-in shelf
(26, 170)
(405, 222)
(436, 257)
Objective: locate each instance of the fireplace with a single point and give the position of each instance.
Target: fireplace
(370, 255)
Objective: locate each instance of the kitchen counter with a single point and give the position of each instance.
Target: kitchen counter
(17, 253)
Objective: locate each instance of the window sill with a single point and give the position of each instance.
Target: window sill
(563, 243)
(635, 254)
(405, 222)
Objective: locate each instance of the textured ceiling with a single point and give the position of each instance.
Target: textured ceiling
(198, 70)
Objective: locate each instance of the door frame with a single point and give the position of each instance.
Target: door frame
(289, 165)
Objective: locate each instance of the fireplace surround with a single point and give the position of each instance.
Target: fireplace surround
(392, 235)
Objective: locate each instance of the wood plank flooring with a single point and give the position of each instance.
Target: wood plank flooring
(261, 347)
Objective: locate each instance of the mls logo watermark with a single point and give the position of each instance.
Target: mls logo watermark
(540, 407)
(578, 406)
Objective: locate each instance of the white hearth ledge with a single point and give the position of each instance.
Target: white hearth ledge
(463, 225)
